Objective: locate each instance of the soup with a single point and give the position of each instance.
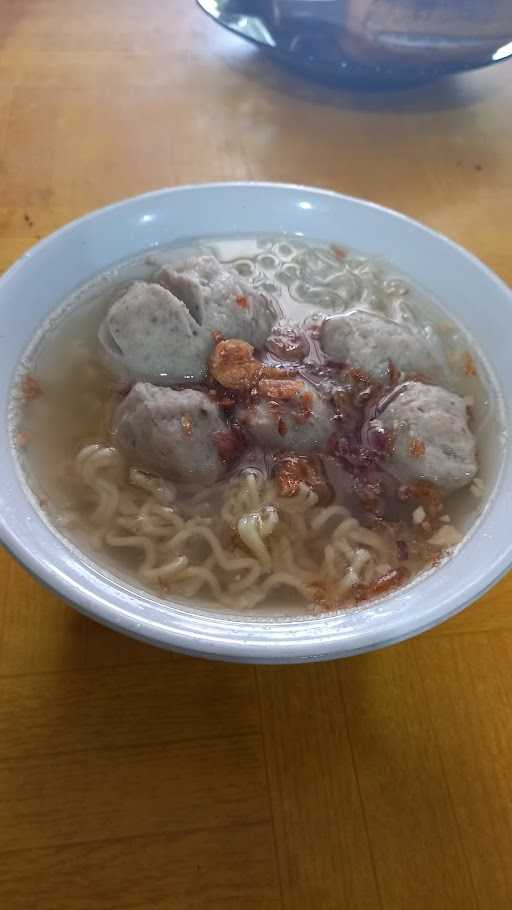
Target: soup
(257, 421)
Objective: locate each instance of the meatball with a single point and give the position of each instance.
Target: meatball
(369, 342)
(148, 334)
(430, 436)
(288, 416)
(171, 432)
(220, 300)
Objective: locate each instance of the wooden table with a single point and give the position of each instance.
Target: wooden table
(131, 778)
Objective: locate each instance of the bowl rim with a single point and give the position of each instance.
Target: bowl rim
(205, 634)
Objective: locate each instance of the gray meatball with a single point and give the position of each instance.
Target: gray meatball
(300, 423)
(368, 342)
(220, 299)
(171, 432)
(431, 437)
(148, 334)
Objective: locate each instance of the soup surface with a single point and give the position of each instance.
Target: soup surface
(257, 421)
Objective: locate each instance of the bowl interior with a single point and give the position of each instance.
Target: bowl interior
(315, 37)
(53, 269)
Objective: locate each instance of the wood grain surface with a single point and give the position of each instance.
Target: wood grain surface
(131, 778)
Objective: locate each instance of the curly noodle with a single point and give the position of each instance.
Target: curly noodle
(257, 542)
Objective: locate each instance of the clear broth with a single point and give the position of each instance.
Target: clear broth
(308, 282)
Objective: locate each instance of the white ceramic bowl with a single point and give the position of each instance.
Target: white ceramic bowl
(47, 274)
